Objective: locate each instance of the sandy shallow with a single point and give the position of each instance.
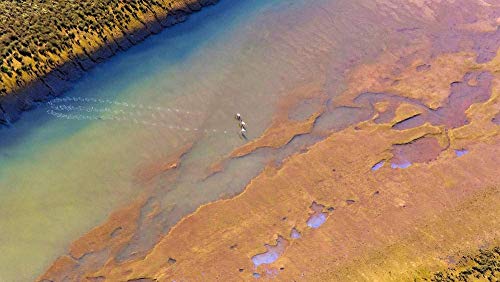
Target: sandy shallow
(373, 157)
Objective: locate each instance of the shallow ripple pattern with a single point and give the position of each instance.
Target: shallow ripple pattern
(106, 110)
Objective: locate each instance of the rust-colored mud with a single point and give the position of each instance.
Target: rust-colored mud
(429, 85)
(393, 220)
(421, 150)
(108, 240)
(151, 170)
(283, 129)
(341, 210)
(391, 208)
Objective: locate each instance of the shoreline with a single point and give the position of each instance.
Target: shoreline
(327, 204)
(348, 194)
(313, 171)
(61, 79)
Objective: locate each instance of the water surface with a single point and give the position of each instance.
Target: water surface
(61, 177)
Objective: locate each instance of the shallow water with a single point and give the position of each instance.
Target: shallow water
(60, 177)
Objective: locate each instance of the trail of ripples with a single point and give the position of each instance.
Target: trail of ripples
(84, 108)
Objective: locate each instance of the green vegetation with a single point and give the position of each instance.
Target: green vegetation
(485, 265)
(36, 36)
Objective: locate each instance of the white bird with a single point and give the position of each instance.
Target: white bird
(243, 125)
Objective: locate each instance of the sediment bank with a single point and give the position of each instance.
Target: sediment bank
(42, 67)
(332, 210)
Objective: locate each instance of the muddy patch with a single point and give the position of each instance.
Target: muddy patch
(422, 150)
(475, 87)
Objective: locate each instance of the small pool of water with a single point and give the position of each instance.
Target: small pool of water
(461, 152)
(272, 253)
